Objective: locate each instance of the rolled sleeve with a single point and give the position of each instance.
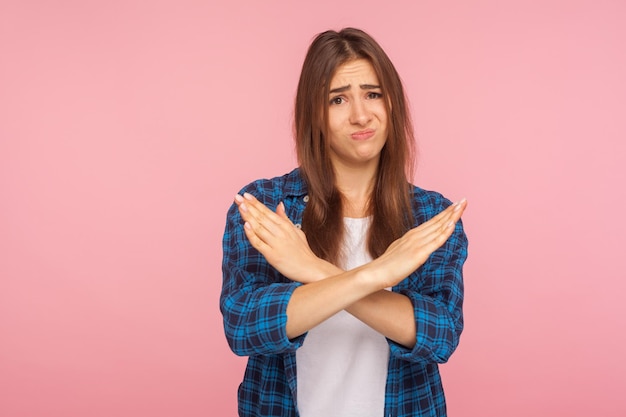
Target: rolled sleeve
(254, 296)
(436, 292)
(255, 320)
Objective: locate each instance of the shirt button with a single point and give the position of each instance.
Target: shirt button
(306, 198)
(298, 226)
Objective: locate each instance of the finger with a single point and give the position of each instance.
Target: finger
(280, 210)
(450, 213)
(254, 239)
(261, 217)
(454, 215)
(432, 225)
(253, 202)
(458, 211)
(282, 213)
(261, 209)
(273, 238)
(254, 211)
(248, 201)
(244, 208)
(436, 238)
(279, 217)
(435, 235)
(265, 227)
(446, 224)
(262, 227)
(444, 212)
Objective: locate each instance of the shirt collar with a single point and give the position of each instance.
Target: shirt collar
(295, 186)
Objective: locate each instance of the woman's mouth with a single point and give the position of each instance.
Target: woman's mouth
(363, 134)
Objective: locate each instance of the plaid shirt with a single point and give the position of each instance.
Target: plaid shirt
(254, 302)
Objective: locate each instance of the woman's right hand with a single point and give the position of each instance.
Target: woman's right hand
(282, 244)
(411, 251)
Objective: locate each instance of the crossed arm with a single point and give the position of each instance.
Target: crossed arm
(328, 289)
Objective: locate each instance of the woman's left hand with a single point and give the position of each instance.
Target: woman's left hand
(283, 244)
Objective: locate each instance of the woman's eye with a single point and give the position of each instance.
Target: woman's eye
(336, 100)
(374, 95)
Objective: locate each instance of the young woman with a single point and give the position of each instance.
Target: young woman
(342, 282)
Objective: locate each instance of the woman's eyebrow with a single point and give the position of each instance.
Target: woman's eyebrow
(347, 87)
(340, 89)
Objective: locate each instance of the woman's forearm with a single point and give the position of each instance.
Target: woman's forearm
(388, 313)
(313, 303)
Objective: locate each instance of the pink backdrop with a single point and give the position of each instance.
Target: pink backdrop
(127, 127)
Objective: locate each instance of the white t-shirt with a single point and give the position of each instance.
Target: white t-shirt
(342, 365)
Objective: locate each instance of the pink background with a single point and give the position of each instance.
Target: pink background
(127, 127)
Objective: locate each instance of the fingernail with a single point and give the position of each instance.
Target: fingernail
(247, 226)
(243, 207)
(459, 204)
(247, 196)
(238, 198)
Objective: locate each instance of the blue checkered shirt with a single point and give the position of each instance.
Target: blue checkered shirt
(254, 303)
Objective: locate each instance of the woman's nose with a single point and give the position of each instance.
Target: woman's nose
(360, 114)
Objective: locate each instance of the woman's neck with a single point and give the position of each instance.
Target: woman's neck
(356, 186)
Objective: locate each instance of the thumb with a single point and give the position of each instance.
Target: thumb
(280, 210)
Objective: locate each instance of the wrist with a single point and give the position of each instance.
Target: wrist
(324, 269)
(370, 277)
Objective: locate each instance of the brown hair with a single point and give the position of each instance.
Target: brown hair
(390, 202)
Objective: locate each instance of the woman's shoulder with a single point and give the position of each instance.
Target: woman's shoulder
(428, 203)
(277, 188)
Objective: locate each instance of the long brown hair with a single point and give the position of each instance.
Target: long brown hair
(390, 202)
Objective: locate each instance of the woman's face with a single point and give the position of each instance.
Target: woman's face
(357, 116)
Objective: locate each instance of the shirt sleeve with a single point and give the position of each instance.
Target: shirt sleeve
(436, 292)
(254, 295)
